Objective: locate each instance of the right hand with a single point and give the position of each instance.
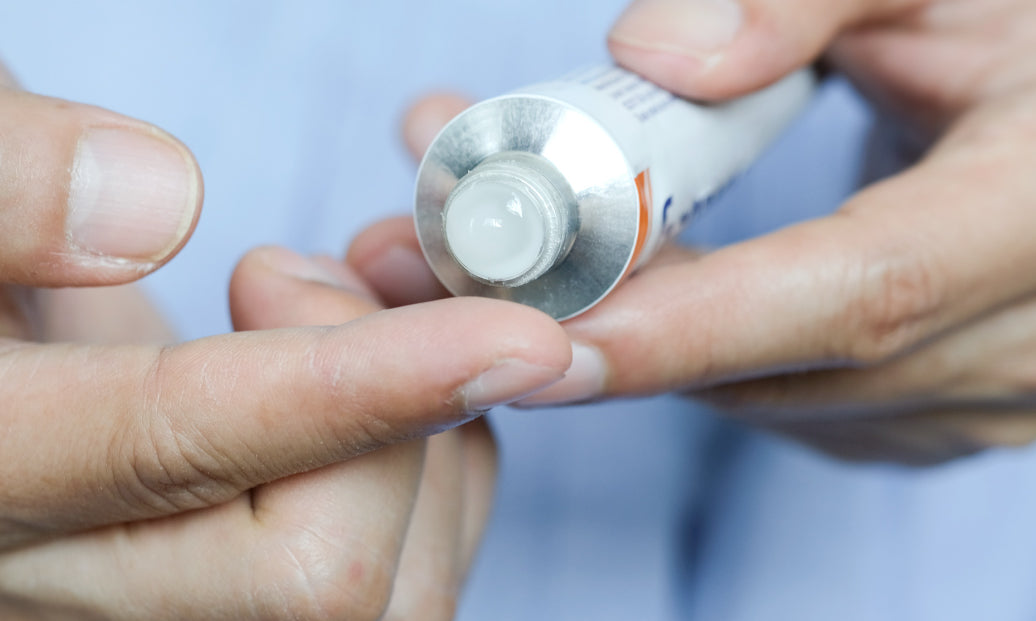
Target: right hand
(163, 482)
(899, 328)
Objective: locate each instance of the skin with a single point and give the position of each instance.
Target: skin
(900, 328)
(277, 472)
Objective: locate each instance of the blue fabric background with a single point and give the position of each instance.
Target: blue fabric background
(647, 509)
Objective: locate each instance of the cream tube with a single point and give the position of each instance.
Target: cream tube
(551, 195)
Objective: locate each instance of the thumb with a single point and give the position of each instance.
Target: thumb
(87, 196)
(717, 49)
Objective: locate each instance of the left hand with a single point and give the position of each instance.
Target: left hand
(255, 475)
(900, 328)
(385, 535)
(435, 526)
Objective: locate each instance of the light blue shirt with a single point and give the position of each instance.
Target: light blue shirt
(629, 510)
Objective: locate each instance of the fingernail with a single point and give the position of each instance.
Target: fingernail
(583, 381)
(698, 28)
(133, 194)
(294, 265)
(343, 275)
(506, 382)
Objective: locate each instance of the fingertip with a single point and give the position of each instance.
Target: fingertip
(451, 358)
(680, 75)
(343, 276)
(376, 237)
(719, 49)
(584, 381)
(427, 116)
(518, 323)
(519, 350)
(389, 258)
(499, 330)
(678, 44)
(276, 287)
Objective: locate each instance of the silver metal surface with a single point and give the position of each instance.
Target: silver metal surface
(588, 163)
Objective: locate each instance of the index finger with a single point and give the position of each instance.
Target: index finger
(96, 435)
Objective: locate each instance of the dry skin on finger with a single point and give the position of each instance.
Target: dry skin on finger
(160, 452)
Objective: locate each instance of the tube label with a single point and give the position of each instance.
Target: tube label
(693, 150)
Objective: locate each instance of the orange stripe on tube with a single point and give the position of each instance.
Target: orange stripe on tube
(643, 182)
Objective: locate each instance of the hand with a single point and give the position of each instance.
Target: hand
(220, 478)
(453, 490)
(901, 327)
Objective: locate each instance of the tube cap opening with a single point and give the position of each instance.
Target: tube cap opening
(495, 229)
(505, 223)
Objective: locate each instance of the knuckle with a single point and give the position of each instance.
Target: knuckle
(359, 427)
(162, 464)
(895, 299)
